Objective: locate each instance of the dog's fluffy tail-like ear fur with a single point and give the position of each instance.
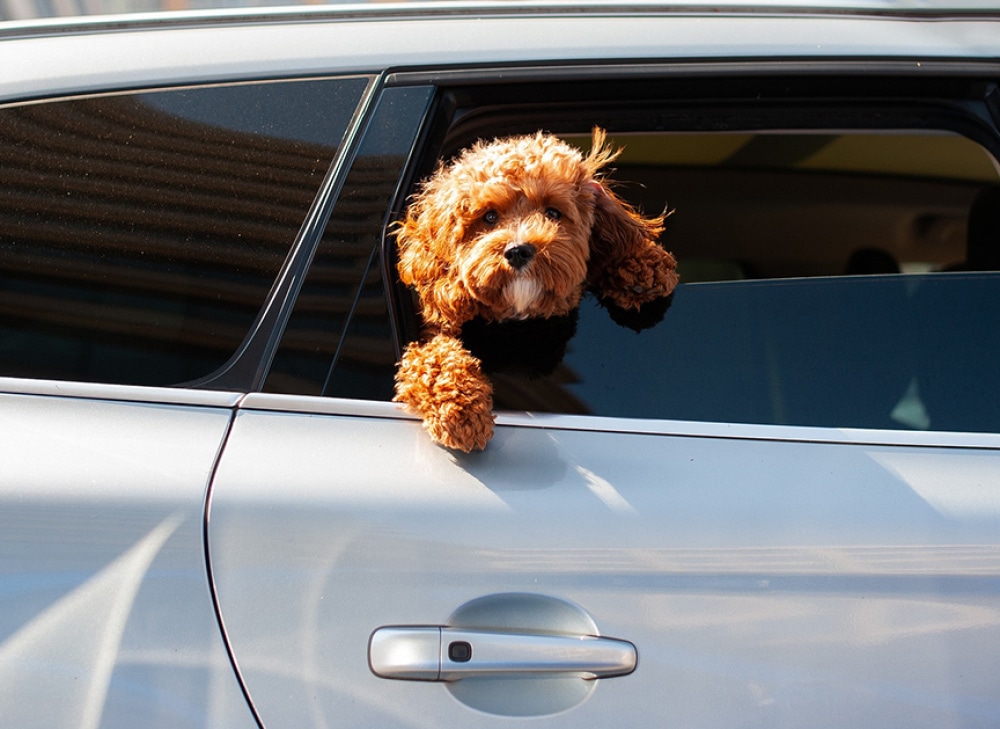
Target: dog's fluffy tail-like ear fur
(628, 269)
(426, 230)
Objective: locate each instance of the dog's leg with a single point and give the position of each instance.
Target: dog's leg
(631, 274)
(444, 384)
(646, 273)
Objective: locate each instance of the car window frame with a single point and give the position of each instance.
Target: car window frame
(375, 136)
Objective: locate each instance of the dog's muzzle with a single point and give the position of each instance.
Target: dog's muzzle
(519, 255)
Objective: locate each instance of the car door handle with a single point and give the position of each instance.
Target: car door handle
(436, 653)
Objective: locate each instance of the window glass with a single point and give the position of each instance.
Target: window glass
(339, 340)
(140, 233)
(883, 351)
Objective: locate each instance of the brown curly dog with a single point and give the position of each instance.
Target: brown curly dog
(511, 230)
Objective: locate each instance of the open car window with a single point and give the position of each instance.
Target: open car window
(794, 204)
(829, 279)
(838, 261)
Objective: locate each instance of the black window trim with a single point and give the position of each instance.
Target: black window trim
(640, 69)
(403, 318)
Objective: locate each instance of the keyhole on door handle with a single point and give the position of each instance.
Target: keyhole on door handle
(459, 651)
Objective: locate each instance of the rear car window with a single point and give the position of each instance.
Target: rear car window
(838, 256)
(838, 279)
(140, 233)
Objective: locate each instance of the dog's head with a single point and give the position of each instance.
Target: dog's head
(513, 229)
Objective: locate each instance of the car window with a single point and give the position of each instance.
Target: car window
(339, 340)
(829, 276)
(828, 279)
(881, 351)
(140, 233)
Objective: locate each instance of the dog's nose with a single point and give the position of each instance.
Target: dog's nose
(519, 255)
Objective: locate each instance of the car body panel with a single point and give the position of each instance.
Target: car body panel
(129, 58)
(768, 582)
(105, 607)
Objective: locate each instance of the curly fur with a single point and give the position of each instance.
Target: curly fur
(511, 230)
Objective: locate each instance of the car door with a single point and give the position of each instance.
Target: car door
(140, 234)
(779, 507)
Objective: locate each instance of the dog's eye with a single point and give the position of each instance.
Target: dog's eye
(490, 217)
(552, 214)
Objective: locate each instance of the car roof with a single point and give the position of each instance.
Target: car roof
(288, 8)
(43, 58)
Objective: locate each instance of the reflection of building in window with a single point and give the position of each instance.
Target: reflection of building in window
(345, 277)
(136, 246)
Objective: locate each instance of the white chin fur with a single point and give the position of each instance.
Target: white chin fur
(522, 293)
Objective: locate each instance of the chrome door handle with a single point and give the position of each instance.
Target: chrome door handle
(435, 653)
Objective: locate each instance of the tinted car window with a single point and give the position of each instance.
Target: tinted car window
(882, 351)
(140, 233)
(339, 340)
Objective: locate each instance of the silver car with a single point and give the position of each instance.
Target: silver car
(779, 507)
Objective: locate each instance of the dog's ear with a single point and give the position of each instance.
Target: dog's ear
(628, 270)
(418, 243)
(426, 241)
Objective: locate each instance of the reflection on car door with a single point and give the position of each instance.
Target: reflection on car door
(105, 613)
(763, 574)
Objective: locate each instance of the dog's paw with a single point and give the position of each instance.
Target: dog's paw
(465, 428)
(648, 275)
(646, 316)
(444, 384)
